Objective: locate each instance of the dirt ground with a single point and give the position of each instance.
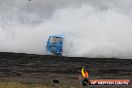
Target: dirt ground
(40, 69)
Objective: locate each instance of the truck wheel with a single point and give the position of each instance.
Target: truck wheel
(59, 54)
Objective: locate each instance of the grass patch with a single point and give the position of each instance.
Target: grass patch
(20, 85)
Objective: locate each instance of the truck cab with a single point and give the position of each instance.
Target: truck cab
(54, 45)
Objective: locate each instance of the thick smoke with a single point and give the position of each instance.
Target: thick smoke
(91, 28)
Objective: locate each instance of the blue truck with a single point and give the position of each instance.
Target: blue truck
(55, 45)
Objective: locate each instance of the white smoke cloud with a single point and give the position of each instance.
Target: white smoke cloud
(90, 28)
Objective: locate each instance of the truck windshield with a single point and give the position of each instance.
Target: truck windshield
(55, 40)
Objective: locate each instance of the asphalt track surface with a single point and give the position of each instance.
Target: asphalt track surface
(30, 68)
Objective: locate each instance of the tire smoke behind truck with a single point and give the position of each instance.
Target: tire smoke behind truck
(90, 28)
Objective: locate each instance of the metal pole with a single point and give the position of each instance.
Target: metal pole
(29, 3)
